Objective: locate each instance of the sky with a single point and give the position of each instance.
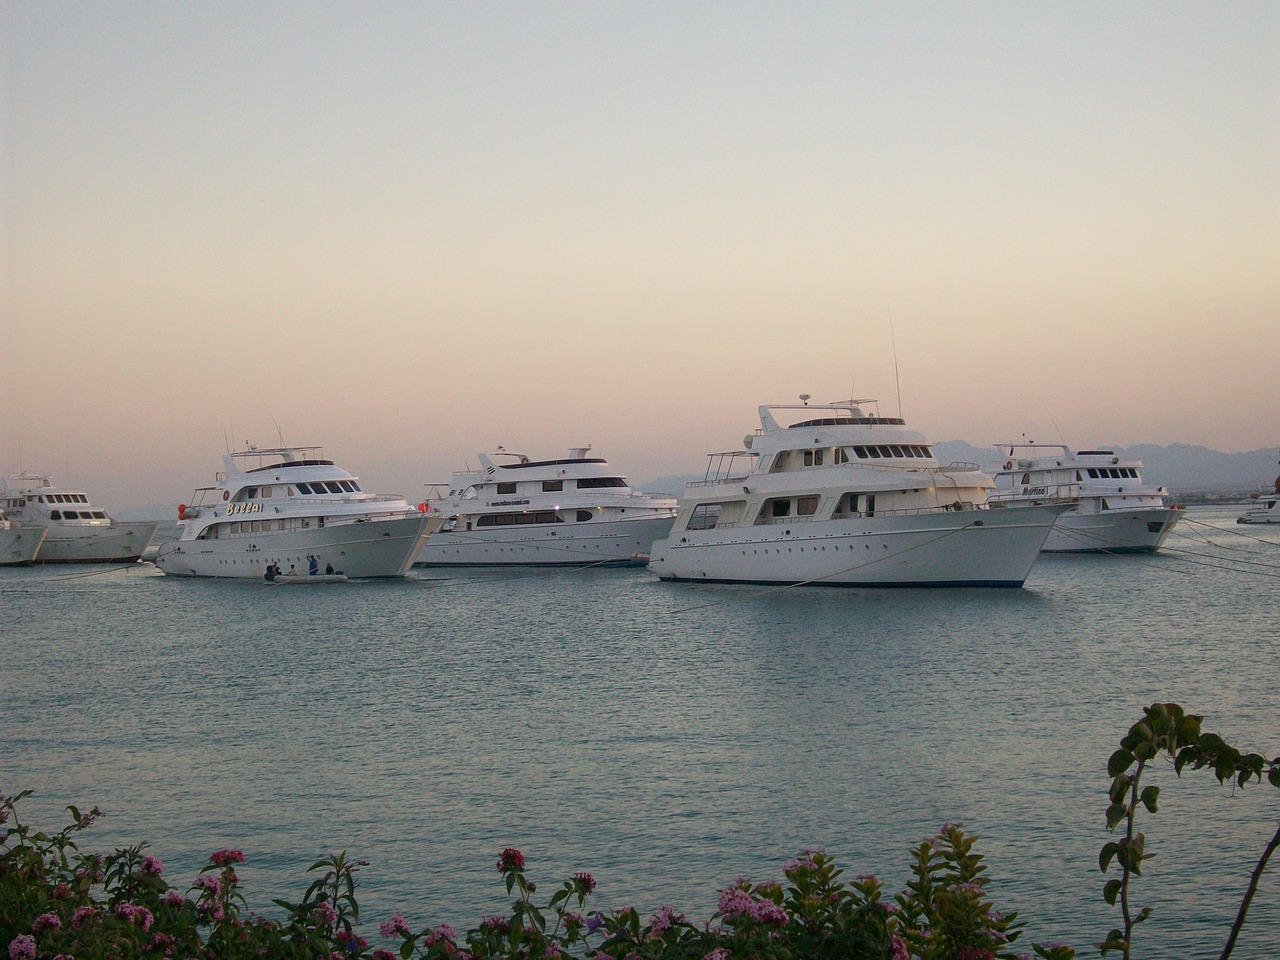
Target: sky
(414, 231)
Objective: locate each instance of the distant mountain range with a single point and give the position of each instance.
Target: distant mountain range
(1183, 468)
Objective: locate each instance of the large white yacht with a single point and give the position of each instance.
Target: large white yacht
(1115, 512)
(78, 531)
(513, 510)
(18, 544)
(290, 507)
(836, 495)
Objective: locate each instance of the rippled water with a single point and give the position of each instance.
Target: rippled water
(667, 738)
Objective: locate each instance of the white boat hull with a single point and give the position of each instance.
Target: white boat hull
(975, 548)
(594, 542)
(376, 548)
(1140, 530)
(19, 545)
(118, 543)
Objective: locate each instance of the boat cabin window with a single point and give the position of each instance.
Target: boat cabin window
(853, 504)
(266, 492)
(552, 486)
(1026, 478)
(780, 508)
(304, 489)
(585, 515)
(806, 506)
(55, 514)
(813, 458)
(504, 488)
(595, 483)
(704, 516)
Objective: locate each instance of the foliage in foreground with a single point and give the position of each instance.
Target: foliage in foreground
(57, 903)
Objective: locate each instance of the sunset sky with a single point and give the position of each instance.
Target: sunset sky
(411, 231)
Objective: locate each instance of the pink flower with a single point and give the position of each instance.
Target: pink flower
(440, 934)
(224, 857)
(208, 882)
(326, 913)
(82, 916)
(734, 902)
(662, 921)
(719, 953)
(510, 860)
(22, 947)
(900, 949)
(46, 921)
(766, 911)
(152, 866)
(384, 955)
(583, 883)
(397, 926)
(62, 892)
(175, 899)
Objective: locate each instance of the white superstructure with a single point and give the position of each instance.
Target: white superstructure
(18, 544)
(834, 495)
(1116, 512)
(286, 506)
(576, 510)
(78, 530)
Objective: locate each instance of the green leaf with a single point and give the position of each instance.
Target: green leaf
(1149, 797)
(1107, 854)
(1112, 890)
(1120, 761)
(1115, 813)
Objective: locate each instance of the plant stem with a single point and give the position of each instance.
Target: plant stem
(1248, 894)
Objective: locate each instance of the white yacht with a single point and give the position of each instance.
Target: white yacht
(836, 495)
(18, 544)
(513, 510)
(290, 507)
(78, 531)
(1262, 508)
(1116, 512)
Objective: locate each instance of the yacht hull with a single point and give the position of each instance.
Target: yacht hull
(1142, 530)
(596, 542)
(969, 548)
(118, 543)
(19, 545)
(375, 548)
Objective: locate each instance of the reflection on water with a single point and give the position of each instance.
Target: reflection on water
(667, 738)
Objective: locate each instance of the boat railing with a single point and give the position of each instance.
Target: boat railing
(1038, 493)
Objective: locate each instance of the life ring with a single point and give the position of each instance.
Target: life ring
(182, 511)
(424, 507)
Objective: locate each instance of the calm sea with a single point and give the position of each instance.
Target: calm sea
(666, 738)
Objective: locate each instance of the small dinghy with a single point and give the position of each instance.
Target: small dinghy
(310, 578)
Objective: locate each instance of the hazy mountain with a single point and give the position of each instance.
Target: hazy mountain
(1181, 467)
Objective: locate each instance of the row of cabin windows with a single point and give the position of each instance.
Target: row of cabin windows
(62, 498)
(816, 458)
(705, 516)
(77, 515)
(247, 528)
(521, 519)
(1098, 473)
(316, 488)
(556, 486)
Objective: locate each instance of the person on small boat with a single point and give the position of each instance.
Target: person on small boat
(315, 566)
(328, 569)
(293, 570)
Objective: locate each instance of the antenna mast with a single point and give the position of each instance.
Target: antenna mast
(894, 340)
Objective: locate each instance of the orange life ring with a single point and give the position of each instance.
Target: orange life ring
(182, 511)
